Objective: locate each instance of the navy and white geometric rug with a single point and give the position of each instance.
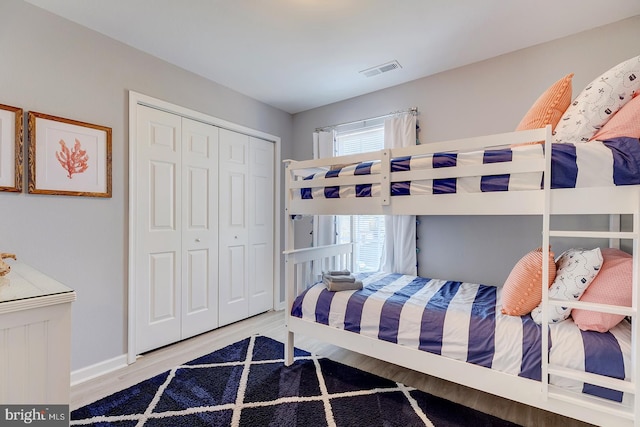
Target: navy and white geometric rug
(247, 384)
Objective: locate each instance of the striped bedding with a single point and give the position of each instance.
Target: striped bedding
(594, 164)
(463, 321)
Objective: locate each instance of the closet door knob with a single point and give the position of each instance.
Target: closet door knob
(197, 239)
(235, 237)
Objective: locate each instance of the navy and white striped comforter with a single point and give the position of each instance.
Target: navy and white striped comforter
(593, 164)
(463, 321)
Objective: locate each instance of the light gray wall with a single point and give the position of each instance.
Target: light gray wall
(479, 99)
(54, 66)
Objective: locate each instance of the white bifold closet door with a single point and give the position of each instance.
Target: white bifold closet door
(176, 228)
(246, 226)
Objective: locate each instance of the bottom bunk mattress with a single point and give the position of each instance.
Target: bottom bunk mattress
(463, 321)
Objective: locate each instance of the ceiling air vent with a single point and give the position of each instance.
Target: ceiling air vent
(374, 71)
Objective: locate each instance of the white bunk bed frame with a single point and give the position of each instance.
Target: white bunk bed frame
(303, 265)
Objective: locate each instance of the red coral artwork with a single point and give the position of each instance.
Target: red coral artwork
(73, 161)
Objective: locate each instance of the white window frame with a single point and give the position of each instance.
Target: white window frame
(344, 134)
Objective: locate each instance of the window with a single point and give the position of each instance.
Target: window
(367, 231)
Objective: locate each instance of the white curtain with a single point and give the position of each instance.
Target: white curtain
(399, 251)
(324, 230)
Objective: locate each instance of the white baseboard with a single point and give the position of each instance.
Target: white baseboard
(90, 372)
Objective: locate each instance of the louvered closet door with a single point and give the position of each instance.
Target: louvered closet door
(158, 229)
(261, 205)
(233, 226)
(200, 227)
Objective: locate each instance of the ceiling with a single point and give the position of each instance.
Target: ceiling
(300, 54)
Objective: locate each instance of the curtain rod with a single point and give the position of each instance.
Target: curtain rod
(412, 110)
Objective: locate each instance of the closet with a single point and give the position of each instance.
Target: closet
(203, 228)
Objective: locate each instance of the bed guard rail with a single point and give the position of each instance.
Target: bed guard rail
(308, 173)
(305, 266)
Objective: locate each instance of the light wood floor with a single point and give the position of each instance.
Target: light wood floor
(272, 325)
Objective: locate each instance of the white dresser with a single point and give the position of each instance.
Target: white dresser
(35, 337)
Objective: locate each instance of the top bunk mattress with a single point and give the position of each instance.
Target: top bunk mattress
(614, 162)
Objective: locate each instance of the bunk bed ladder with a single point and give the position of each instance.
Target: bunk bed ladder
(635, 325)
(546, 229)
(630, 387)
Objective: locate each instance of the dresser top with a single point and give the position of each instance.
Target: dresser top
(25, 282)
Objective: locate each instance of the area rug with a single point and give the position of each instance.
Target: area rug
(247, 384)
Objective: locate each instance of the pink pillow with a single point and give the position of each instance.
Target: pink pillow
(626, 122)
(522, 291)
(549, 107)
(613, 286)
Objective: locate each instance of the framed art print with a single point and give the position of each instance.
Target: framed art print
(11, 148)
(68, 157)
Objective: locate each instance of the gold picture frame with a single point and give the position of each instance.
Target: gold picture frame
(11, 148)
(68, 157)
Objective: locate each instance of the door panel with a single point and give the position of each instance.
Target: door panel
(200, 226)
(162, 282)
(261, 229)
(237, 196)
(162, 206)
(259, 285)
(198, 186)
(197, 279)
(233, 237)
(158, 230)
(237, 265)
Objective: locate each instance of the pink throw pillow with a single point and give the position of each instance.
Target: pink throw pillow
(522, 291)
(626, 122)
(612, 286)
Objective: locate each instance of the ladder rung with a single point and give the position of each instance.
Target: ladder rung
(592, 306)
(588, 401)
(595, 234)
(595, 379)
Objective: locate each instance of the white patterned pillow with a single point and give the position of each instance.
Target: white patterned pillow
(576, 269)
(598, 102)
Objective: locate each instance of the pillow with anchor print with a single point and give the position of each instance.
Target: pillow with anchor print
(598, 102)
(576, 269)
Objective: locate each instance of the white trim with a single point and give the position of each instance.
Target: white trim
(135, 99)
(278, 258)
(97, 370)
(133, 213)
(38, 302)
(159, 104)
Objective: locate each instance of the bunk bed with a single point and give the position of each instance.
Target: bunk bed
(422, 180)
